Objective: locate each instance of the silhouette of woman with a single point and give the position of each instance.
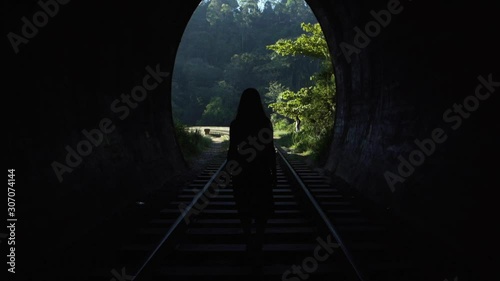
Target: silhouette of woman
(251, 145)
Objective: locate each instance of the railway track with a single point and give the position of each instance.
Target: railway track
(316, 233)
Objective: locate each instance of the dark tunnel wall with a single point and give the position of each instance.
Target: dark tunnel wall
(66, 80)
(427, 59)
(394, 91)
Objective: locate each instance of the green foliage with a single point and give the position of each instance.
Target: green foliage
(292, 104)
(223, 51)
(220, 10)
(273, 92)
(230, 45)
(285, 140)
(314, 106)
(191, 143)
(311, 44)
(281, 124)
(215, 112)
(306, 141)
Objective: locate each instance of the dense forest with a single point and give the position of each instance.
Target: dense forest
(276, 46)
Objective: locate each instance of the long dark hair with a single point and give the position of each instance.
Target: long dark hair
(250, 107)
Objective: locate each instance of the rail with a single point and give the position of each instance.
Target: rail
(176, 224)
(323, 216)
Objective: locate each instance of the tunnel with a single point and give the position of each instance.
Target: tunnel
(415, 131)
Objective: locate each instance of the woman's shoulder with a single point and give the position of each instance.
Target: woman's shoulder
(258, 122)
(268, 122)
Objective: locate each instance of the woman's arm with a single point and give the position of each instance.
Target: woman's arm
(272, 156)
(233, 149)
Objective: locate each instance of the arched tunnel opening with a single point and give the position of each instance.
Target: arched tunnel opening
(90, 129)
(277, 48)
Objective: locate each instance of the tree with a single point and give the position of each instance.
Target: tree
(225, 41)
(249, 7)
(268, 9)
(221, 11)
(312, 44)
(314, 104)
(221, 108)
(273, 92)
(243, 72)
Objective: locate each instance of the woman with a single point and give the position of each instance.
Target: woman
(251, 145)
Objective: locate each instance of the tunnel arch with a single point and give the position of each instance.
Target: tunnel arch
(374, 84)
(393, 92)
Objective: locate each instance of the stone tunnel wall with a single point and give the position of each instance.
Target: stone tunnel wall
(66, 79)
(394, 91)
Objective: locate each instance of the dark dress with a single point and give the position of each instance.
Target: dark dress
(253, 186)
